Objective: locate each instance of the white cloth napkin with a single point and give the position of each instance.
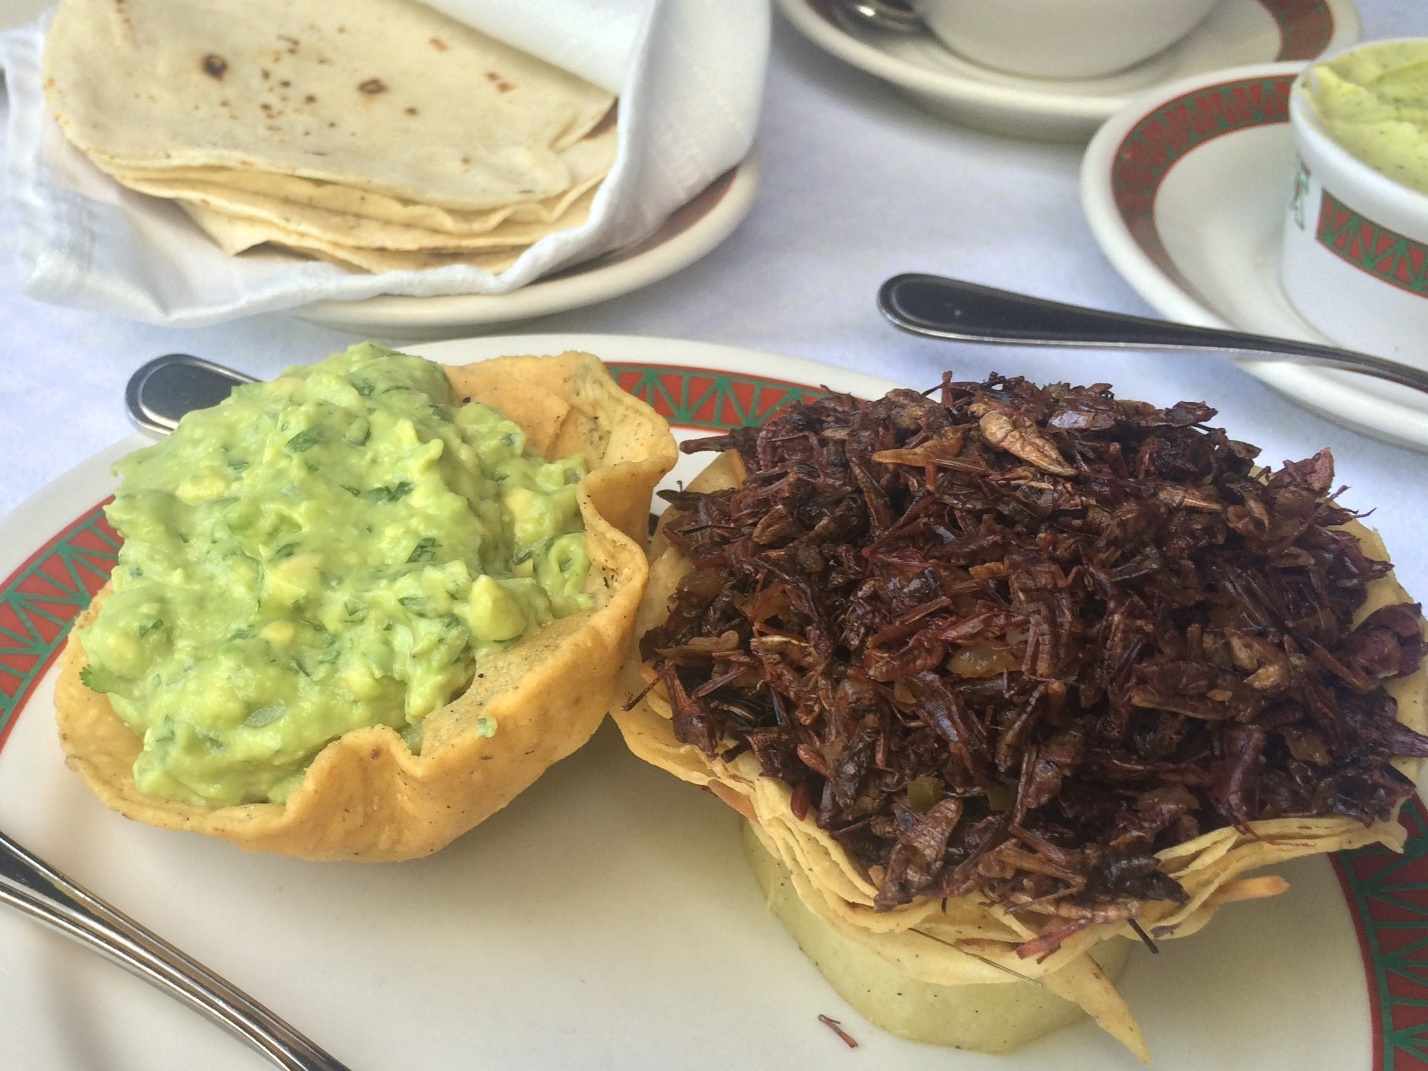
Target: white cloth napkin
(689, 74)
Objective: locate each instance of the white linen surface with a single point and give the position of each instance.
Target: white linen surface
(689, 75)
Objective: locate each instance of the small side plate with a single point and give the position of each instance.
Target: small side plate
(1185, 192)
(1236, 32)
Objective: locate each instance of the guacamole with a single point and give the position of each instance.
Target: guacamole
(337, 548)
(1374, 102)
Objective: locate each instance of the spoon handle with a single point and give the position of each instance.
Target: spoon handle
(895, 15)
(164, 389)
(938, 307)
(39, 891)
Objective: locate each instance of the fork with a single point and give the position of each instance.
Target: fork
(38, 890)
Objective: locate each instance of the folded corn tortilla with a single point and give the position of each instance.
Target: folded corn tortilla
(348, 215)
(377, 95)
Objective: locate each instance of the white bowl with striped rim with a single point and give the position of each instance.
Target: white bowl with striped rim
(1185, 192)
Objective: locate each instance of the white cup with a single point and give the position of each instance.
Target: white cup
(1355, 247)
(1061, 38)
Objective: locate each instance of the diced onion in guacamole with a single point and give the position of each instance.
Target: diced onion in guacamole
(337, 548)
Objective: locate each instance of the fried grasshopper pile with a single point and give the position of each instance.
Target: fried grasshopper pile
(1013, 640)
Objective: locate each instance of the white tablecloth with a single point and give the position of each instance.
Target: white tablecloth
(858, 185)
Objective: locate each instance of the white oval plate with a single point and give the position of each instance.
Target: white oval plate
(691, 232)
(1236, 32)
(1185, 191)
(606, 919)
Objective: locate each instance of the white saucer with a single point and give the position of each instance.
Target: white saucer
(691, 232)
(1236, 32)
(1185, 192)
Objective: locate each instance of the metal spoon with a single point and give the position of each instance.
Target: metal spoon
(40, 891)
(938, 307)
(895, 15)
(166, 388)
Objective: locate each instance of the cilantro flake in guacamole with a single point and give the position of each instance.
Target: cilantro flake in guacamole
(335, 549)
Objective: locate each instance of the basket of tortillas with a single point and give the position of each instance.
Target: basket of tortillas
(361, 607)
(1007, 678)
(381, 135)
(447, 148)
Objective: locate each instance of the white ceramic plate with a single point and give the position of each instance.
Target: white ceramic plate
(1185, 191)
(690, 233)
(606, 918)
(1236, 32)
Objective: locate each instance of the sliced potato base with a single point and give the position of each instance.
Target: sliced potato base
(985, 1017)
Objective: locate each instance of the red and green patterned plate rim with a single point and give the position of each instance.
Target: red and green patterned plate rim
(1170, 132)
(1305, 26)
(1387, 893)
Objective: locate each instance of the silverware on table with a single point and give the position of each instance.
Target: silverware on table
(938, 307)
(166, 388)
(36, 889)
(895, 15)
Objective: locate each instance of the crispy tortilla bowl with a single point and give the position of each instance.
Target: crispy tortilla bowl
(903, 968)
(365, 795)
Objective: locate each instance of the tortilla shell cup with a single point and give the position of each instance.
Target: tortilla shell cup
(964, 941)
(365, 795)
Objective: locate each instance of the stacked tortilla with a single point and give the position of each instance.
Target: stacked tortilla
(378, 134)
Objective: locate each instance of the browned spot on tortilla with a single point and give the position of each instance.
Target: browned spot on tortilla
(214, 65)
(409, 110)
(376, 753)
(504, 87)
(372, 86)
(293, 44)
(309, 99)
(438, 44)
(285, 83)
(264, 72)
